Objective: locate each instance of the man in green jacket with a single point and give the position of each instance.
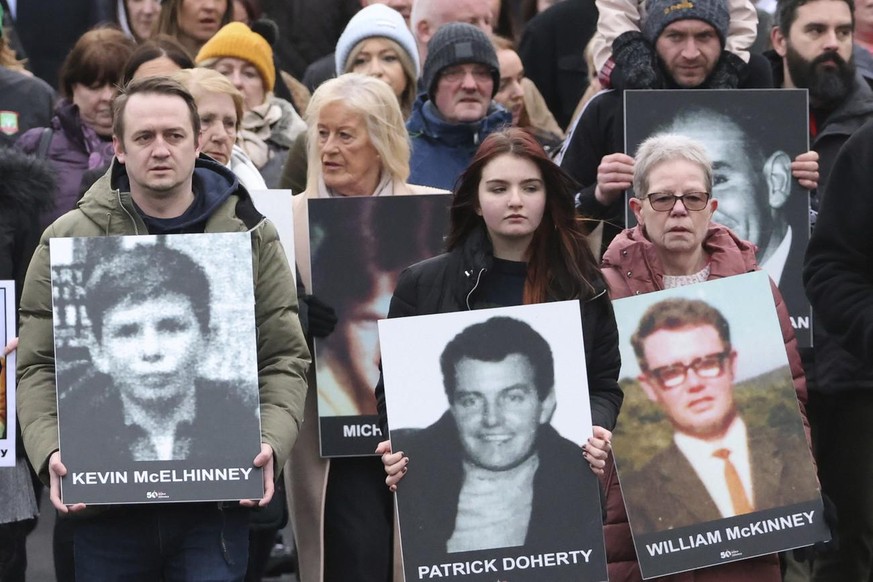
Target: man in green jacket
(158, 185)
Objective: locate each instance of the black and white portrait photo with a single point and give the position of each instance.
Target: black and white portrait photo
(711, 441)
(358, 246)
(752, 136)
(156, 364)
(496, 473)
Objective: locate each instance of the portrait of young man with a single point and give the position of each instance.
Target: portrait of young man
(721, 460)
(149, 393)
(493, 474)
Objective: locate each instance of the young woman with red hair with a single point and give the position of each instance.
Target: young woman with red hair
(515, 239)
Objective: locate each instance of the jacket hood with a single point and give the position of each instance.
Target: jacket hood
(27, 181)
(211, 179)
(425, 120)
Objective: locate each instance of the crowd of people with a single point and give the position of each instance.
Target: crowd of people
(135, 117)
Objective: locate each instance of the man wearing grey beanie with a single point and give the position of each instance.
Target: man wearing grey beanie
(688, 37)
(456, 112)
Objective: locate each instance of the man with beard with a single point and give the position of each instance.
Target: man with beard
(813, 49)
(812, 43)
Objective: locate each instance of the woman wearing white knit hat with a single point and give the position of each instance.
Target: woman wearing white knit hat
(377, 42)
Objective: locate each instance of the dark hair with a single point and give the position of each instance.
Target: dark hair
(507, 24)
(168, 19)
(492, 341)
(560, 263)
(136, 276)
(96, 59)
(155, 85)
(351, 228)
(786, 13)
(159, 46)
(252, 8)
(674, 314)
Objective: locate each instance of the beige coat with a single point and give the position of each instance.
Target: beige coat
(306, 472)
(618, 16)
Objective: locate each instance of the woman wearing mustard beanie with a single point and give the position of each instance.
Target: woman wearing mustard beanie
(270, 124)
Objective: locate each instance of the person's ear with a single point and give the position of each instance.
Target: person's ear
(778, 41)
(733, 363)
(423, 32)
(713, 206)
(777, 174)
(198, 143)
(636, 206)
(118, 148)
(548, 407)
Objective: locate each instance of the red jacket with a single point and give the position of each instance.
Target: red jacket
(631, 267)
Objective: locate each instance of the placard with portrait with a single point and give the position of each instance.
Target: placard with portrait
(712, 456)
(156, 367)
(491, 406)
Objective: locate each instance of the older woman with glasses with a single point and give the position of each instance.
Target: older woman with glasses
(675, 243)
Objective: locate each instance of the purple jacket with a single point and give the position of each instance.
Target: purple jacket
(75, 149)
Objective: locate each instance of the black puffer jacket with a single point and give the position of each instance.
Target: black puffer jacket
(27, 186)
(449, 282)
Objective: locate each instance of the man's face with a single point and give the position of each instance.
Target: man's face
(463, 92)
(404, 7)
(737, 184)
(158, 147)
(689, 50)
(498, 411)
(151, 349)
(702, 403)
(440, 12)
(475, 12)
(818, 51)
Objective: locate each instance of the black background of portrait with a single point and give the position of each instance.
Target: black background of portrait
(778, 120)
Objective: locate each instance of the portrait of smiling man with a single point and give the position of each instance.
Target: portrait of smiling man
(494, 470)
(719, 463)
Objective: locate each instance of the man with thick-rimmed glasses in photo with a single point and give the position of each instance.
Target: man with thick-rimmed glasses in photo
(718, 464)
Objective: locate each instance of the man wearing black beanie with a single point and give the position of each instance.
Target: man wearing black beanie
(455, 113)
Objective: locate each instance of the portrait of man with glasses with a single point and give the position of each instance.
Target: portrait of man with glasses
(719, 464)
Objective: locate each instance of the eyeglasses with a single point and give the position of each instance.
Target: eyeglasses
(665, 201)
(708, 367)
(455, 74)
